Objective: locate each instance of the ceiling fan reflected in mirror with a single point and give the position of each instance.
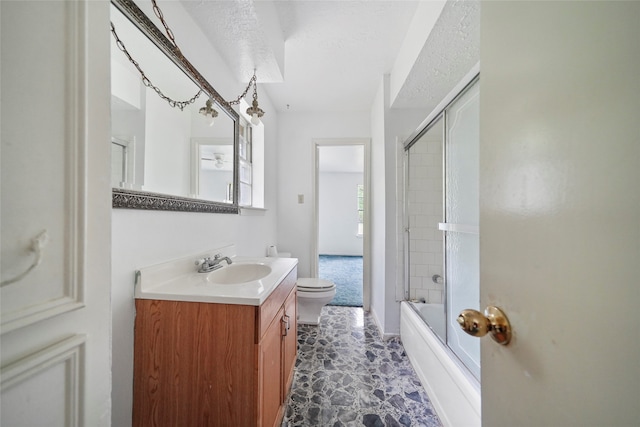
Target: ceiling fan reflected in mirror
(218, 161)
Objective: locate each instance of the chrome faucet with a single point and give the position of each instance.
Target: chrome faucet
(207, 264)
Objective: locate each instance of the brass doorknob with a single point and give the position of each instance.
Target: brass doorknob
(493, 320)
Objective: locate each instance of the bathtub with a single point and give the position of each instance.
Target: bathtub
(454, 393)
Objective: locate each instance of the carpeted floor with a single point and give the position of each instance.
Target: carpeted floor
(346, 273)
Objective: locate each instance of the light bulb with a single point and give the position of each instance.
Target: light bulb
(211, 122)
(255, 119)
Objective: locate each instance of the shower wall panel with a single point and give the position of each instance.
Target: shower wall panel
(425, 211)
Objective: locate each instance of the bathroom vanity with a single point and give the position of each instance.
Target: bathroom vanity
(201, 359)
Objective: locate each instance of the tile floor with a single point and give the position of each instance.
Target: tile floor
(346, 375)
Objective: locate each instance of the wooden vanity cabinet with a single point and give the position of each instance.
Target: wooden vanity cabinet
(206, 364)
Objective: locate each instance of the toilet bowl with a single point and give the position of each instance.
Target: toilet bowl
(313, 294)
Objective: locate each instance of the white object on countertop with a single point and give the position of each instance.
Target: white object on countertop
(272, 251)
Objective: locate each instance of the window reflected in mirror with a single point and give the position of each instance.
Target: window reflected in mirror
(245, 149)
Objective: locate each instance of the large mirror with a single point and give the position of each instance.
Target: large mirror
(168, 151)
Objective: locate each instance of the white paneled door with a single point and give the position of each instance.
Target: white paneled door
(55, 214)
(560, 212)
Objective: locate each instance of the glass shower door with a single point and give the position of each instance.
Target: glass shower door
(424, 210)
(461, 226)
(442, 233)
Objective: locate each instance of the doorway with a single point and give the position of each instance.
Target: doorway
(340, 250)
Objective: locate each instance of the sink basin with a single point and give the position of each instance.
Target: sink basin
(236, 274)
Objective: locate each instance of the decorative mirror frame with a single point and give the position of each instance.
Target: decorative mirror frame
(134, 199)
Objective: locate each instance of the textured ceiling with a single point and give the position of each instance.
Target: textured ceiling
(452, 49)
(336, 51)
(239, 33)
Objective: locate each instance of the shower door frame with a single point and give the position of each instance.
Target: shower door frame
(432, 119)
(406, 225)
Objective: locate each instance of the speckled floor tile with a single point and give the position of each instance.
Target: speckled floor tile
(346, 375)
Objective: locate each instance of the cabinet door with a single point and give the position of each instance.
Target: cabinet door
(270, 372)
(290, 343)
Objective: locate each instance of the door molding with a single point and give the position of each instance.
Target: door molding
(63, 362)
(58, 288)
(366, 238)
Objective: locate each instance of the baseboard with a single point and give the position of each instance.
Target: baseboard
(374, 316)
(385, 336)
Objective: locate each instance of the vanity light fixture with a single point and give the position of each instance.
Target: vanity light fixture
(209, 111)
(254, 111)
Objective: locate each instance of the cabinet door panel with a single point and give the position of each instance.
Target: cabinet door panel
(194, 364)
(290, 344)
(269, 308)
(270, 372)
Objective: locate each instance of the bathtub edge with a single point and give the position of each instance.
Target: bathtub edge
(456, 400)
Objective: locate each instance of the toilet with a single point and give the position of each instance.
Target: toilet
(313, 294)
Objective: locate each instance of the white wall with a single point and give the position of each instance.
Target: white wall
(400, 124)
(213, 183)
(142, 238)
(378, 211)
(389, 128)
(296, 132)
(167, 148)
(338, 214)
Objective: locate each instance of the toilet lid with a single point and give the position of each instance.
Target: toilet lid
(314, 285)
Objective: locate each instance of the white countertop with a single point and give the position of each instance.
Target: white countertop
(179, 281)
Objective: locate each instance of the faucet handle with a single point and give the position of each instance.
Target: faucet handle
(201, 261)
(217, 256)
